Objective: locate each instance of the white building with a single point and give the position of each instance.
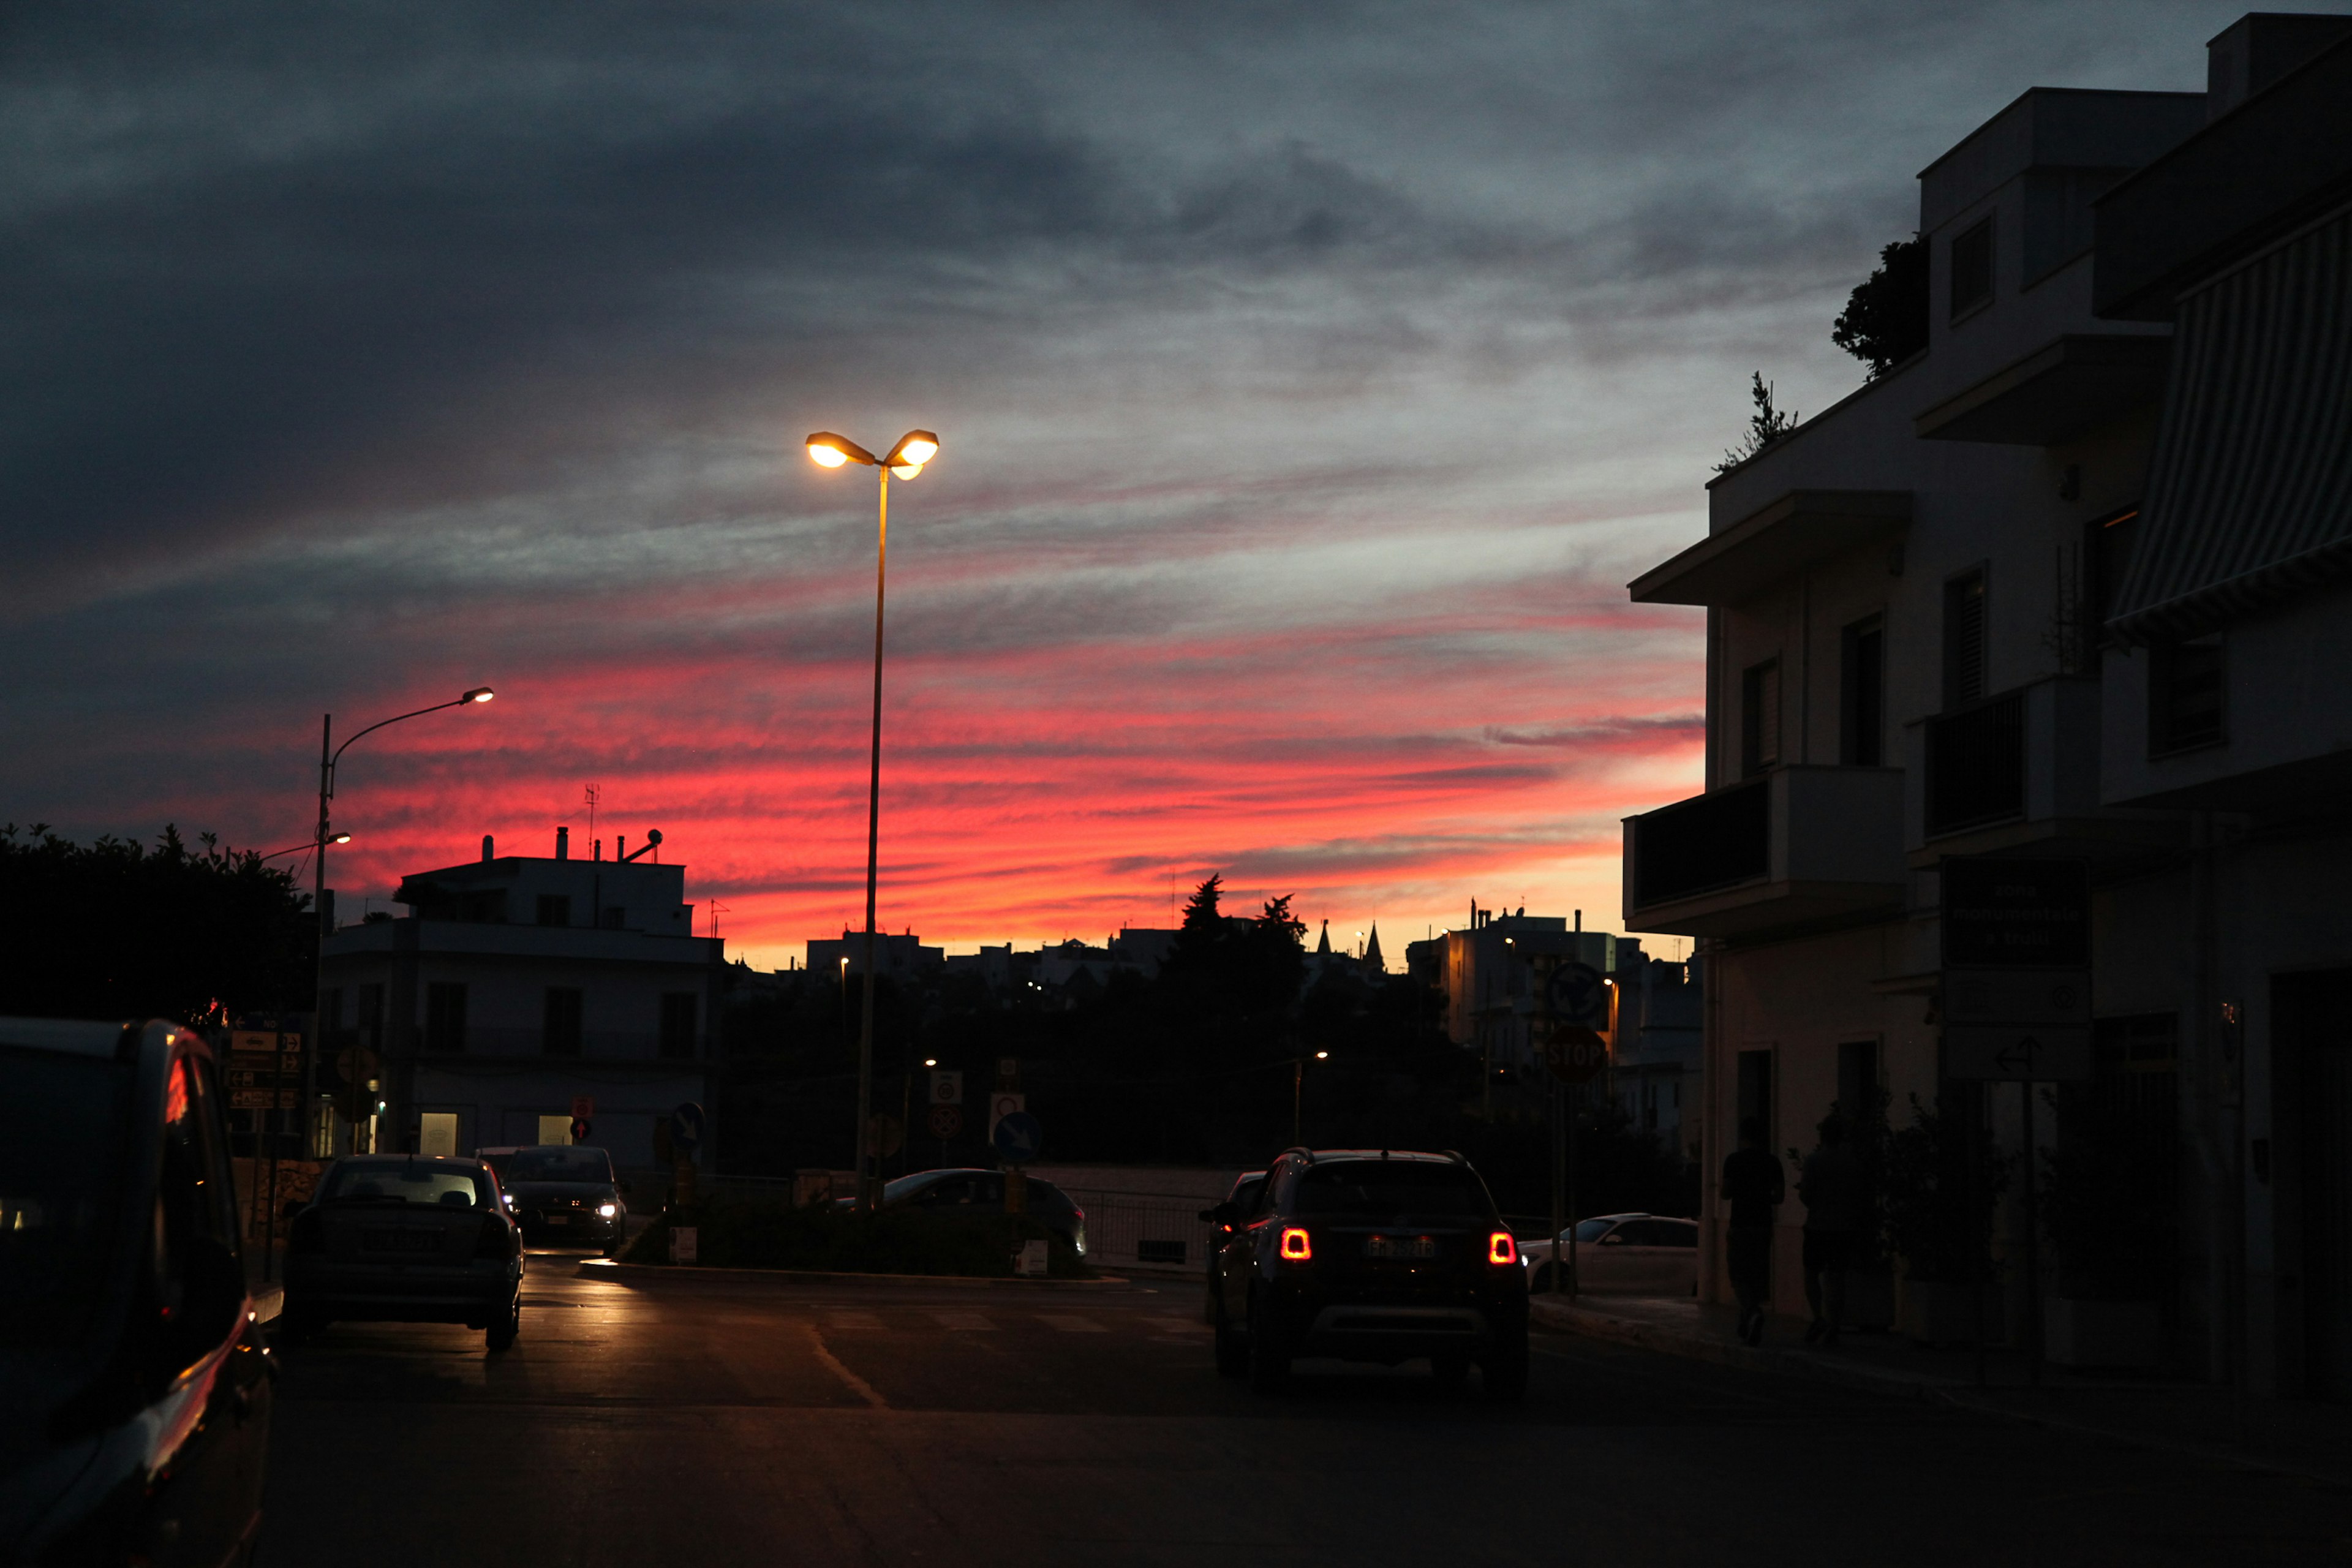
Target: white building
(516, 986)
(2071, 584)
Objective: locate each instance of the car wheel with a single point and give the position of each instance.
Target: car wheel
(1539, 1282)
(1269, 1353)
(507, 1325)
(1505, 1374)
(1232, 1351)
(1452, 1367)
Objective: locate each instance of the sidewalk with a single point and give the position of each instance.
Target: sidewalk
(2299, 1437)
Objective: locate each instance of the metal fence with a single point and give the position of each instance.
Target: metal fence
(1143, 1229)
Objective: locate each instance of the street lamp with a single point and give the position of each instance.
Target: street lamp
(1298, 1090)
(906, 460)
(306, 845)
(326, 836)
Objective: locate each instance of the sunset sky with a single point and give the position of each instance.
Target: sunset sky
(1311, 379)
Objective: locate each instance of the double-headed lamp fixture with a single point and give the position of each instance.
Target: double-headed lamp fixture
(906, 460)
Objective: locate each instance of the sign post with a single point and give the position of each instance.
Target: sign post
(685, 1123)
(1575, 1010)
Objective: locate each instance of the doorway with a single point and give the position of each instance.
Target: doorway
(2313, 1040)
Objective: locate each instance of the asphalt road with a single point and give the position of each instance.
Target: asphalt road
(690, 1423)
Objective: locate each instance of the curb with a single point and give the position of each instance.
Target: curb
(1952, 1393)
(644, 1273)
(1586, 1322)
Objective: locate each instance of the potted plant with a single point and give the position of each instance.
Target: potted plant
(1942, 1236)
(2106, 1205)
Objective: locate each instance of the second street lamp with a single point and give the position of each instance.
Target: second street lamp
(320, 840)
(906, 460)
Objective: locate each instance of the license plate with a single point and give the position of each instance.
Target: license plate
(557, 1218)
(1400, 1247)
(402, 1240)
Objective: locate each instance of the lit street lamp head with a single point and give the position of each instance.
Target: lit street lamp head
(828, 450)
(479, 694)
(338, 838)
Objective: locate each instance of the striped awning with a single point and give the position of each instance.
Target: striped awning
(2249, 496)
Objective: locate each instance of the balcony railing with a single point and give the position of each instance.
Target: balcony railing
(1709, 841)
(1976, 764)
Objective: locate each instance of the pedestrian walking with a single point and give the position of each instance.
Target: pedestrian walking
(1831, 1187)
(1752, 1188)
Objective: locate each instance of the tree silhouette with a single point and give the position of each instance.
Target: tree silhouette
(1885, 319)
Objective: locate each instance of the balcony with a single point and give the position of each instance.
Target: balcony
(2017, 771)
(1799, 846)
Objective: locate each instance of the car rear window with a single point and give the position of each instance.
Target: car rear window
(433, 1187)
(64, 1125)
(560, 1165)
(1392, 1192)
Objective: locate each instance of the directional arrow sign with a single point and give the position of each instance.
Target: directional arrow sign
(2018, 1053)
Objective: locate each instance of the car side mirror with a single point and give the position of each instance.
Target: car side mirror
(293, 1206)
(212, 1292)
(1221, 1214)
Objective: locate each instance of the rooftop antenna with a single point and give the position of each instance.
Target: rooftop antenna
(593, 792)
(716, 910)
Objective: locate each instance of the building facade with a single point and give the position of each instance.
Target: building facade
(2070, 585)
(516, 988)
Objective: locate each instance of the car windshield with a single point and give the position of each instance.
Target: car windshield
(1392, 1192)
(560, 1165)
(64, 1126)
(405, 1182)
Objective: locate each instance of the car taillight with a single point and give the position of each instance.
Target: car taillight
(1294, 1245)
(1502, 1248)
(308, 1233)
(496, 1238)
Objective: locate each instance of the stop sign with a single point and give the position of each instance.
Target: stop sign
(1575, 1054)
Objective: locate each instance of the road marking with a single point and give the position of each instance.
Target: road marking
(1070, 1325)
(857, 1385)
(973, 1322)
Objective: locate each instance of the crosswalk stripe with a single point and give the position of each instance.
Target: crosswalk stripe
(969, 1322)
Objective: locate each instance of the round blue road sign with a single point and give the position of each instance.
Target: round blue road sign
(1018, 1137)
(1576, 997)
(686, 1127)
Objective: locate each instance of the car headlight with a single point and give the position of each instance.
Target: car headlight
(608, 1210)
(507, 1198)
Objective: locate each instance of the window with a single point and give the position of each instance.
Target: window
(485, 909)
(1970, 260)
(1392, 1192)
(1862, 693)
(1759, 718)
(445, 1017)
(1858, 1094)
(2184, 695)
(371, 1019)
(560, 1031)
(1964, 640)
(677, 1015)
(554, 909)
(613, 915)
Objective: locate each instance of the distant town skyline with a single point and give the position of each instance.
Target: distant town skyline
(1308, 389)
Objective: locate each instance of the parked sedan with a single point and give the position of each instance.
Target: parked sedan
(134, 1393)
(563, 1194)
(412, 1238)
(982, 1192)
(1625, 1254)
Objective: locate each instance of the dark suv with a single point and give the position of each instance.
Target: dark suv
(1372, 1255)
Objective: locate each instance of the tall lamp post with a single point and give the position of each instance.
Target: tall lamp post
(320, 840)
(906, 460)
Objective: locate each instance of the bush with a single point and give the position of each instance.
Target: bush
(1929, 1219)
(766, 1233)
